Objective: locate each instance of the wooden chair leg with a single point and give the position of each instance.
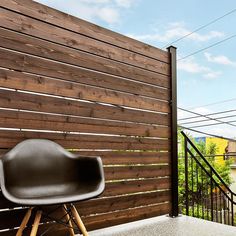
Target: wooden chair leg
(24, 222)
(36, 223)
(64, 209)
(79, 221)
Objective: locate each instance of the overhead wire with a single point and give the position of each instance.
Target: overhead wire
(210, 46)
(209, 114)
(206, 125)
(208, 134)
(200, 28)
(210, 118)
(205, 120)
(214, 103)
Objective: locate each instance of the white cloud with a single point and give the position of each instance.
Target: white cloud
(221, 59)
(124, 3)
(108, 11)
(95, 1)
(174, 31)
(191, 66)
(109, 15)
(212, 74)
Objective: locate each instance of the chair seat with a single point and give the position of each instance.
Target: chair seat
(53, 194)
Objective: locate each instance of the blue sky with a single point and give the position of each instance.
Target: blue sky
(204, 78)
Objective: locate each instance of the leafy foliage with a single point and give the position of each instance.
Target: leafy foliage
(199, 180)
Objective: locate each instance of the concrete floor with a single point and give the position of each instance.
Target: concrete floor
(166, 226)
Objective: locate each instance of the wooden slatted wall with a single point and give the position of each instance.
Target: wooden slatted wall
(95, 92)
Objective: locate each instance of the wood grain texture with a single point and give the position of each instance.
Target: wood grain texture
(133, 172)
(34, 102)
(42, 121)
(74, 24)
(36, 28)
(9, 138)
(92, 78)
(41, 84)
(128, 215)
(54, 46)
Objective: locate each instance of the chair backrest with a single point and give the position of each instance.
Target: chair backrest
(38, 162)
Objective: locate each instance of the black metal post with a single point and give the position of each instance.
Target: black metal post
(174, 138)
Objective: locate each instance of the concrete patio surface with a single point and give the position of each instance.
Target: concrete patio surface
(166, 226)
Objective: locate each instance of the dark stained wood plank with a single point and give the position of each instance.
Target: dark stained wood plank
(103, 205)
(42, 121)
(29, 81)
(129, 158)
(133, 172)
(73, 90)
(9, 138)
(124, 216)
(71, 55)
(36, 28)
(10, 99)
(84, 78)
(134, 186)
(74, 24)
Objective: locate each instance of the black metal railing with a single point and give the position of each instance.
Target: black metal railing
(204, 193)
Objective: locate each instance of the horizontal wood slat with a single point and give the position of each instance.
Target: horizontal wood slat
(130, 158)
(121, 202)
(133, 186)
(10, 99)
(61, 88)
(39, 29)
(74, 24)
(93, 79)
(37, 121)
(133, 172)
(115, 218)
(68, 54)
(10, 138)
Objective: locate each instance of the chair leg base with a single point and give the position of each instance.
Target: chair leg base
(24, 222)
(36, 223)
(69, 216)
(78, 221)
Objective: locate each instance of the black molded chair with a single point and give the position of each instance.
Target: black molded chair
(40, 172)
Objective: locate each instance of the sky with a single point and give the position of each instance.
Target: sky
(205, 78)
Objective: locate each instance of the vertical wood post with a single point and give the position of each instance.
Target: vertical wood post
(174, 136)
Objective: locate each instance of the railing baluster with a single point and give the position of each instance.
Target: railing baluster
(207, 199)
(224, 210)
(202, 194)
(220, 206)
(211, 189)
(197, 192)
(232, 210)
(228, 212)
(186, 177)
(192, 186)
(216, 199)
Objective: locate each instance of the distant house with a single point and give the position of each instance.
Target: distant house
(221, 144)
